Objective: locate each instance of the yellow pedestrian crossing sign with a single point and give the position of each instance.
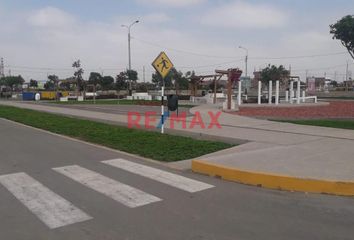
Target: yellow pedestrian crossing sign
(162, 64)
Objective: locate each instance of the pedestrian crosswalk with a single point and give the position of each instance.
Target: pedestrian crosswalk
(129, 196)
(55, 211)
(168, 178)
(49, 207)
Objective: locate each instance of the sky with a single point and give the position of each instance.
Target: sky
(38, 37)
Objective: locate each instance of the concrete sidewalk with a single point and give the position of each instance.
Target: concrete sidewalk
(277, 155)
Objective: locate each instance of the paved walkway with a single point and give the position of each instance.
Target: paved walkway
(278, 149)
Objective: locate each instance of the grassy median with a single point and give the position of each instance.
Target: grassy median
(344, 124)
(117, 102)
(110, 102)
(148, 144)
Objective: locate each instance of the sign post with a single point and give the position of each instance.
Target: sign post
(163, 66)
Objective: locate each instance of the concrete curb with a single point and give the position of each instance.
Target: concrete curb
(273, 181)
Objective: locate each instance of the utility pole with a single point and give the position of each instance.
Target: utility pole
(2, 70)
(129, 54)
(246, 58)
(144, 74)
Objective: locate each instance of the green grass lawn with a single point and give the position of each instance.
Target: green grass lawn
(337, 98)
(148, 144)
(344, 124)
(109, 101)
(116, 102)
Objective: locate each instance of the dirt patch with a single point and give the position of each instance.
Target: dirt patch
(335, 110)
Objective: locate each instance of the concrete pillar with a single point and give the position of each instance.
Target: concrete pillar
(270, 92)
(259, 91)
(298, 92)
(291, 92)
(277, 92)
(239, 93)
(286, 96)
(303, 96)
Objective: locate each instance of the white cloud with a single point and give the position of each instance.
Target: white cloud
(243, 15)
(50, 17)
(311, 41)
(156, 18)
(102, 45)
(171, 3)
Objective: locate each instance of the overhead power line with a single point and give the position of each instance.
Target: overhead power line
(233, 57)
(298, 57)
(183, 51)
(210, 65)
(322, 68)
(48, 69)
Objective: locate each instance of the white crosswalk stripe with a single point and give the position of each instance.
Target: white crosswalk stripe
(118, 191)
(183, 183)
(50, 208)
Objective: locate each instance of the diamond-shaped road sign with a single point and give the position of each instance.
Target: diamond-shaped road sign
(162, 64)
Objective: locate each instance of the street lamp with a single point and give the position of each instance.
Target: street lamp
(129, 55)
(246, 58)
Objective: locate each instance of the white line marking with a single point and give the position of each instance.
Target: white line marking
(53, 210)
(186, 184)
(118, 191)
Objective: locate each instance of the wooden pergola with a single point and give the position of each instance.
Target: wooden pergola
(233, 74)
(197, 79)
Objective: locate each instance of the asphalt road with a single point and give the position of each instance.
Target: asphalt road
(83, 198)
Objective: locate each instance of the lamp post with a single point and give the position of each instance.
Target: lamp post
(246, 58)
(129, 54)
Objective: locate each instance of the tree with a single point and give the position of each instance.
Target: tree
(121, 81)
(272, 72)
(54, 78)
(180, 81)
(49, 86)
(12, 81)
(132, 75)
(143, 87)
(67, 84)
(107, 82)
(33, 83)
(157, 79)
(95, 78)
(78, 76)
(52, 84)
(183, 82)
(172, 76)
(343, 30)
(333, 83)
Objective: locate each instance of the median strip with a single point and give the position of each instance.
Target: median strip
(167, 148)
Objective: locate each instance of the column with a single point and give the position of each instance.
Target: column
(270, 92)
(277, 92)
(259, 91)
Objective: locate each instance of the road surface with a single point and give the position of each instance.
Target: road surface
(52, 187)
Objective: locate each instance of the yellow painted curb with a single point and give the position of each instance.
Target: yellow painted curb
(274, 181)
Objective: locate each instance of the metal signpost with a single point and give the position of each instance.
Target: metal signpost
(163, 66)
